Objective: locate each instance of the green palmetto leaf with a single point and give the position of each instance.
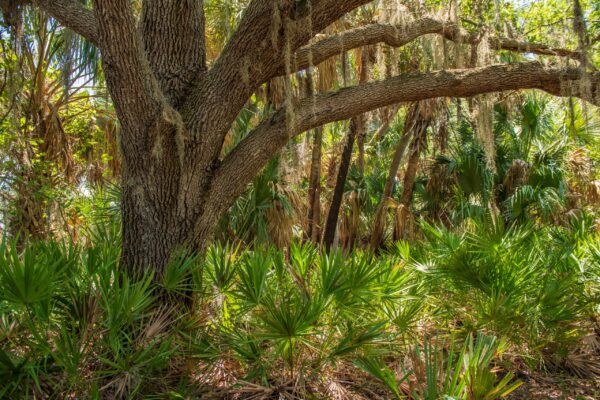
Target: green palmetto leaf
(124, 301)
(360, 283)
(480, 380)
(290, 316)
(358, 338)
(220, 265)
(127, 364)
(330, 273)
(27, 278)
(178, 276)
(377, 368)
(302, 258)
(254, 272)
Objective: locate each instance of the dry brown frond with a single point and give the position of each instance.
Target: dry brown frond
(157, 324)
(593, 194)
(120, 384)
(582, 364)
(336, 391)
(280, 224)
(332, 162)
(517, 175)
(327, 75)
(580, 163)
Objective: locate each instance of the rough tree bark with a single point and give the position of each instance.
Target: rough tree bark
(175, 113)
(338, 191)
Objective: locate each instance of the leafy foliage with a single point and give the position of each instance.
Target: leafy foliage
(71, 322)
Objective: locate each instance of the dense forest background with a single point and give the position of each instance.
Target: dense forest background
(441, 247)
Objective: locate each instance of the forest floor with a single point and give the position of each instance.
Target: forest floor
(536, 386)
(557, 387)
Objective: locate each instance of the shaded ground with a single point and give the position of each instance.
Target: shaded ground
(559, 387)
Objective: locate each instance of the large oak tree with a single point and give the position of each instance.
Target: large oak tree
(175, 112)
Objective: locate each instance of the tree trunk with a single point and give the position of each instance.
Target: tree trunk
(366, 60)
(418, 145)
(314, 185)
(314, 188)
(156, 221)
(356, 130)
(385, 124)
(380, 216)
(338, 191)
(360, 142)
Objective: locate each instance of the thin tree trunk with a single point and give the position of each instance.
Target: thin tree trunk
(443, 132)
(314, 185)
(418, 145)
(360, 120)
(338, 191)
(385, 125)
(380, 216)
(361, 144)
(356, 129)
(314, 188)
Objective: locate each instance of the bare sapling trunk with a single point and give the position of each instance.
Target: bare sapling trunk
(314, 188)
(418, 146)
(379, 224)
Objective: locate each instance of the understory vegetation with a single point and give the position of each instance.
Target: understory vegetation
(456, 314)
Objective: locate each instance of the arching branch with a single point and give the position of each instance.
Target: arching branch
(268, 34)
(74, 15)
(397, 36)
(246, 160)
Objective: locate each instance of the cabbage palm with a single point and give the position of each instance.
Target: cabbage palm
(47, 139)
(544, 191)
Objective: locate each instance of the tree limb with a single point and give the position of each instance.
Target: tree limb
(397, 36)
(267, 36)
(74, 15)
(248, 157)
(535, 48)
(134, 90)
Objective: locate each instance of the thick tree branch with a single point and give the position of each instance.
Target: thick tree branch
(267, 36)
(535, 48)
(75, 16)
(246, 160)
(137, 98)
(397, 36)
